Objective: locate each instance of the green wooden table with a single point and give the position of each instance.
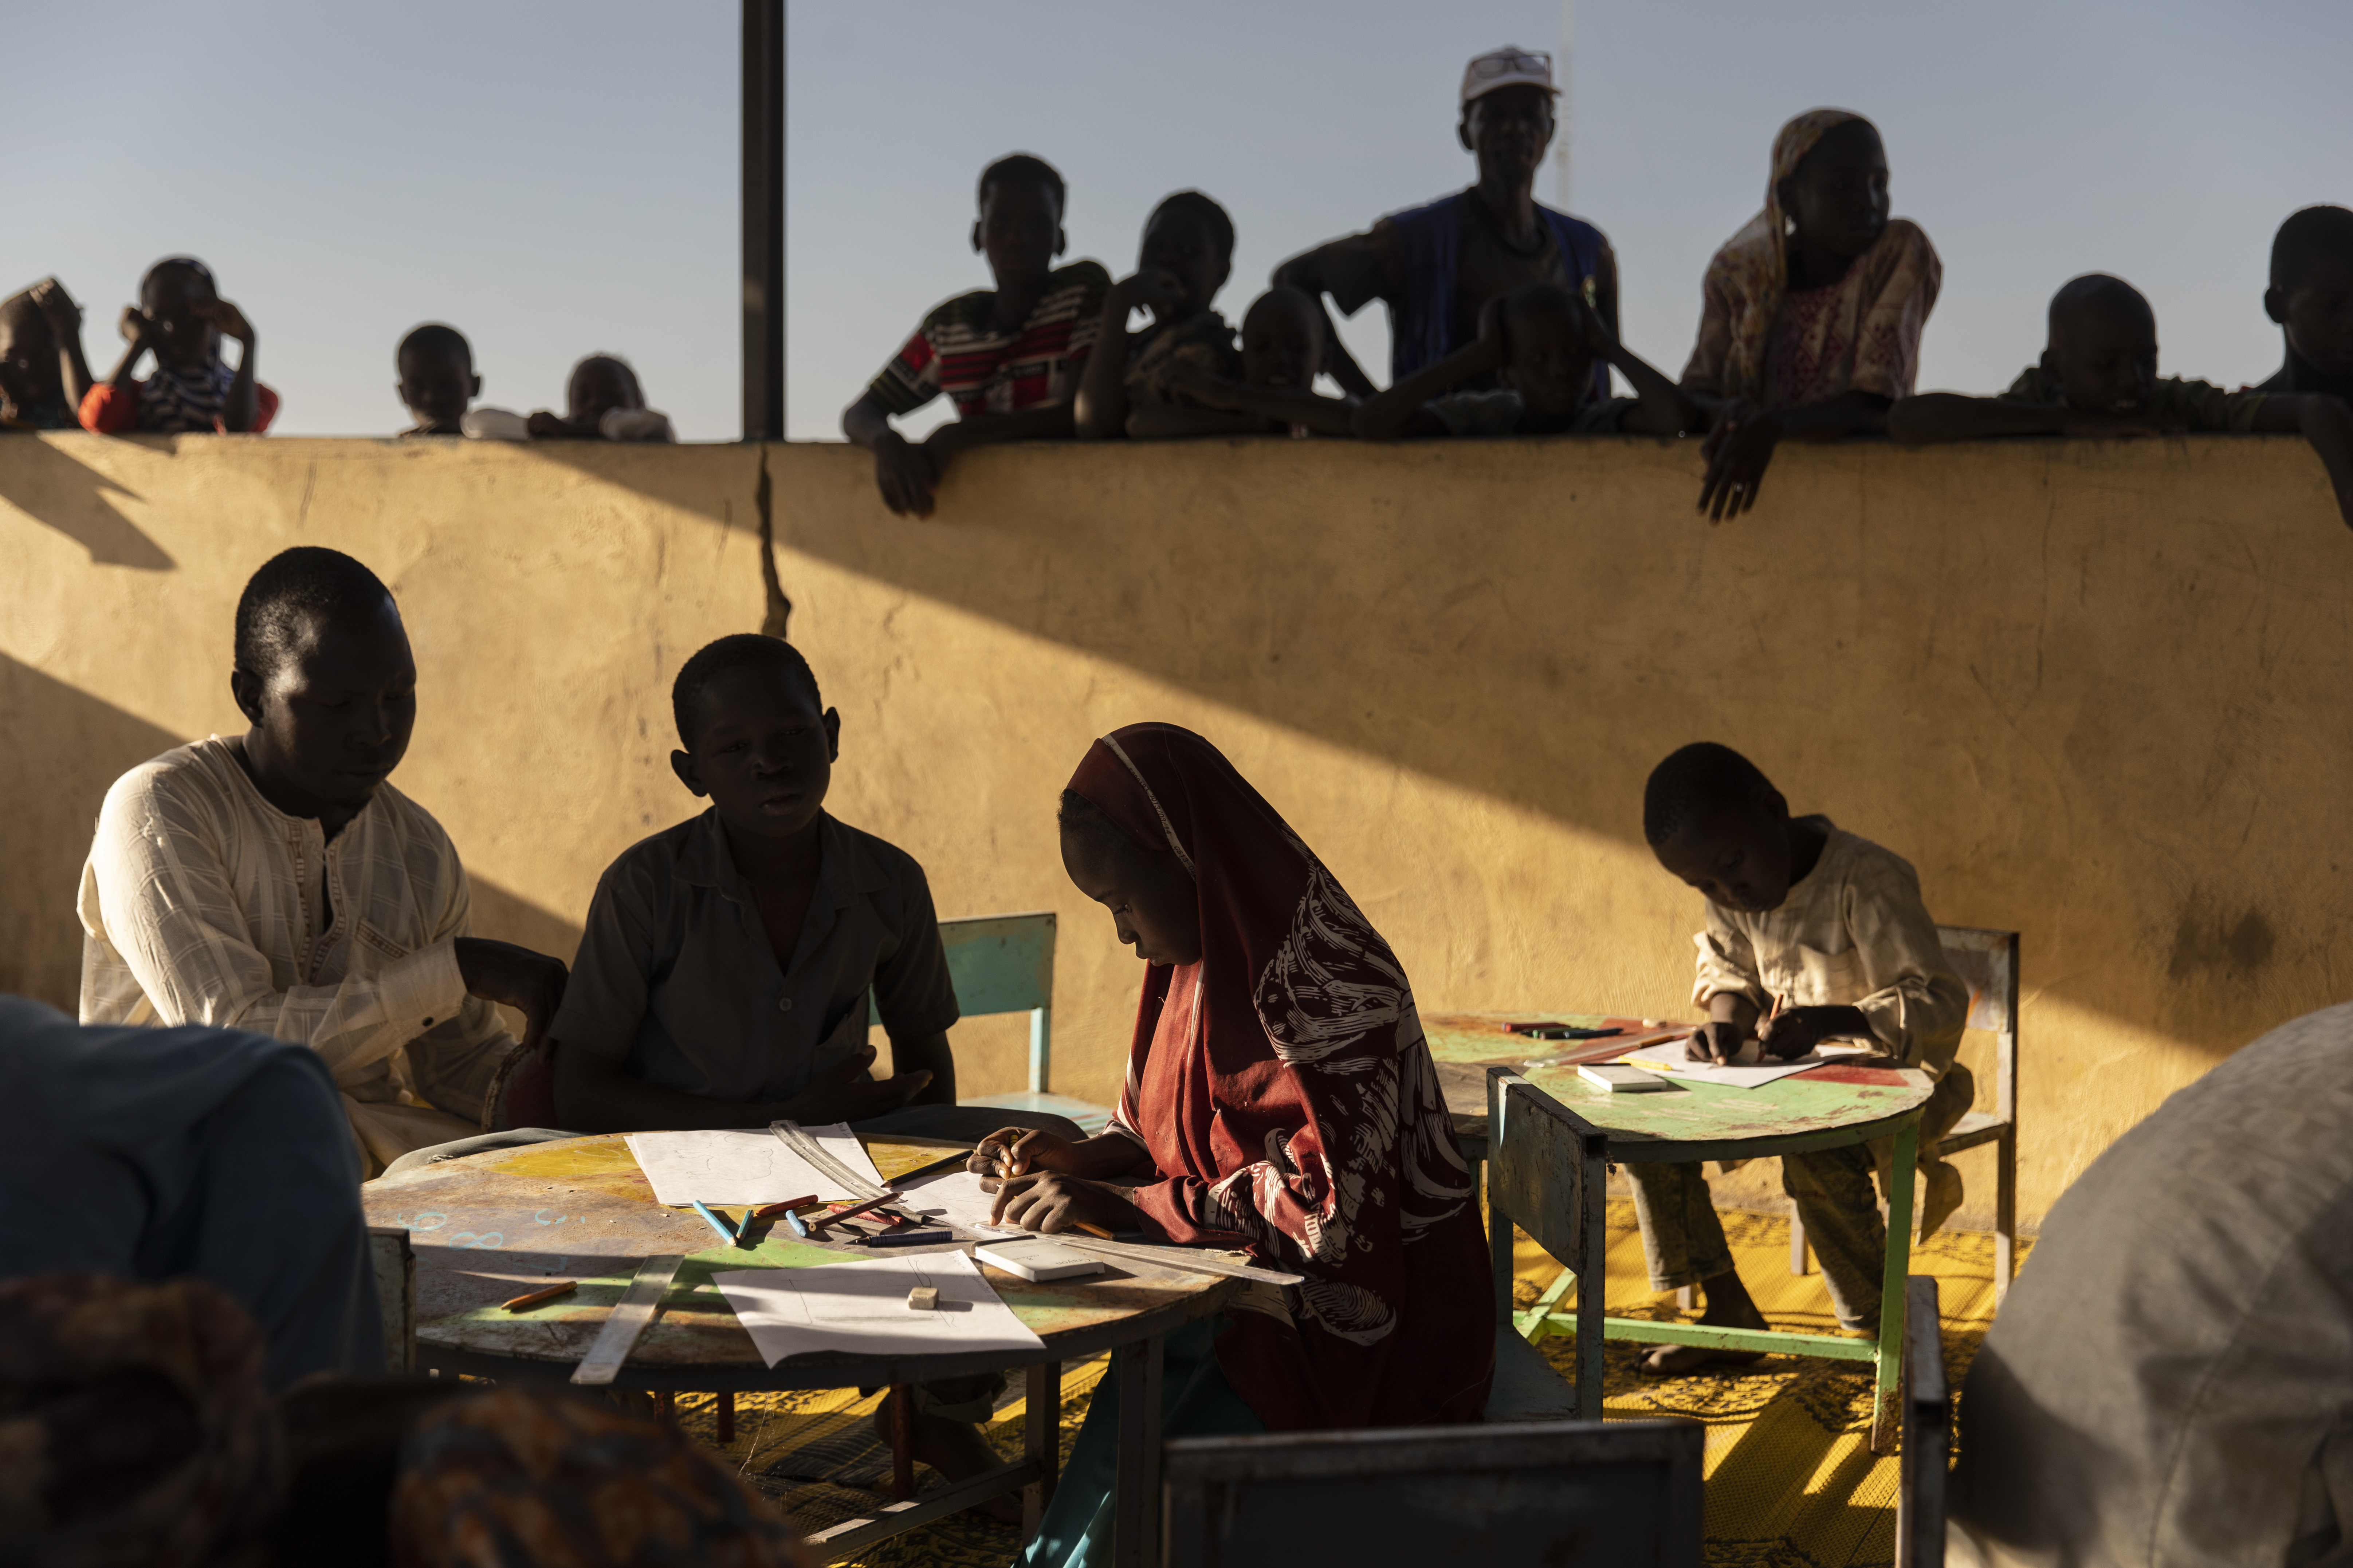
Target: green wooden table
(1501, 1085)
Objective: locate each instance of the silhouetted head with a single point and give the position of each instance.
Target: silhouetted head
(1508, 97)
(436, 376)
(172, 294)
(29, 371)
(756, 735)
(1548, 348)
(1836, 198)
(1719, 823)
(1020, 228)
(1190, 237)
(1283, 339)
(597, 385)
(2312, 287)
(2101, 350)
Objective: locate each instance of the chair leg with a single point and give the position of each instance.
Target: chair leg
(2005, 1213)
(1686, 1297)
(1799, 1263)
(726, 1418)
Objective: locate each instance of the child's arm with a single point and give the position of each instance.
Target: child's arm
(242, 407)
(1660, 408)
(1286, 405)
(1398, 411)
(58, 308)
(1100, 406)
(1055, 424)
(926, 1054)
(2327, 424)
(1173, 422)
(904, 472)
(135, 328)
(1741, 440)
(1951, 416)
(1355, 260)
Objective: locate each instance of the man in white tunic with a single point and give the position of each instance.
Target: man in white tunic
(2171, 1381)
(275, 882)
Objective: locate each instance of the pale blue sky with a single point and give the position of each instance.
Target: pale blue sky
(560, 178)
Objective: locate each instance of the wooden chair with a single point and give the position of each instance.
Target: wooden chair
(1987, 962)
(1927, 1434)
(1563, 1494)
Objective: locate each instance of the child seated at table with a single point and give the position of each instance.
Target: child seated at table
(1813, 934)
(2098, 377)
(723, 975)
(1545, 340)
(1282, 354)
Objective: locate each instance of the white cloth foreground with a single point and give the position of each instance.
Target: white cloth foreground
(2171, 1380)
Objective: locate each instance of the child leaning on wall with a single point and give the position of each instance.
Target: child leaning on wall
(181, 320)
(43, 378)
(1546, 342)
(1283, 343)
(1812, 934)
(1186, 255)
(1010, 358)
(2098, 377)
(436, 364)
(1811, 317)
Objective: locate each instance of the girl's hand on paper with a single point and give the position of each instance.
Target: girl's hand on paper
(1050, 1201)
(1717, 1042)
(1794, 1031)
(1015, 1151)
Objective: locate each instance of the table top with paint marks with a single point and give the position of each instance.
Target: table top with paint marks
(489, 1227)
(1465, 1045)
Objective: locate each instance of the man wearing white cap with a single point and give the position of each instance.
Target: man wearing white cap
(1436, 267)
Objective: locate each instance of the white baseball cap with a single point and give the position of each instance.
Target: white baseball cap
(1509, 65)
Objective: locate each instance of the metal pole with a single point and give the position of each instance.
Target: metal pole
(1561, 113)
(763, 220)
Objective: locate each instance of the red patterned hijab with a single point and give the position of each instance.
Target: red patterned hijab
(1285, 1091)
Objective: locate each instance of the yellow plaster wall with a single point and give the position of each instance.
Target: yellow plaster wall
(2094, 691)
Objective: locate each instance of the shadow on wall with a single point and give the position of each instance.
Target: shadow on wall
(85, 745)
(57, 491)
(509, 917)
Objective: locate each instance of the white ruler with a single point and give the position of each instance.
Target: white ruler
(1190, 1260)
(630, 1315)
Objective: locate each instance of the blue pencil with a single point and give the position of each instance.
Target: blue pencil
(721, 1226)
(799, 1226)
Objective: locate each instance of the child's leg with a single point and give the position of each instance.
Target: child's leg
(1683, 1241)
(1832, 1192)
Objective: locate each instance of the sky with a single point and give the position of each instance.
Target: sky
(561, 179)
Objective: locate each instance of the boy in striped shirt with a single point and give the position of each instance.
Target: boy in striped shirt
(1009, 357)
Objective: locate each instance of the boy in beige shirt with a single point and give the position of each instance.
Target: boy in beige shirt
(1812, 934)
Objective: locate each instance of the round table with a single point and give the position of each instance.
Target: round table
(490, 1226)
(1578, 1129)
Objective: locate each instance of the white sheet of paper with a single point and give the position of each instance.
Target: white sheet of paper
(1670, 1061)
(743, 1165)
(860, 1309)
(957, 1198)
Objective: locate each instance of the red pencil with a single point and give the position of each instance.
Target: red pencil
(770, 1211)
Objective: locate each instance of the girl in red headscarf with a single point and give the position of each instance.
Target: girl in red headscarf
(1280, 1099)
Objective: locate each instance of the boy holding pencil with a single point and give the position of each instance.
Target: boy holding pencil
(1813, 934)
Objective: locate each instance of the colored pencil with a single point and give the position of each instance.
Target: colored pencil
(854, 1211)
(770, 1211)
(726, 1232)
(1096, 1230)
(544, 1293)
(797, 1225)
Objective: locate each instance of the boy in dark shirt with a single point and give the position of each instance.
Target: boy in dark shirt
(722, 978)
(1546, 342)
(2098, 377)
(43, 378)
(436, 379)
(1010, 358)
(2311, 297)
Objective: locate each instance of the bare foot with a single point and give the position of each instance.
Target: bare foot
(1728, 1307)
(958, 1451)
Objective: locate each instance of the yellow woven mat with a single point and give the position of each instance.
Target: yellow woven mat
(1791, 1480)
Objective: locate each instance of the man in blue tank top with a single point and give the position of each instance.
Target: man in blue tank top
(1436, 266)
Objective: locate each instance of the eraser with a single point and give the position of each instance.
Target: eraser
(1619, 1079)
(923, 1299)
